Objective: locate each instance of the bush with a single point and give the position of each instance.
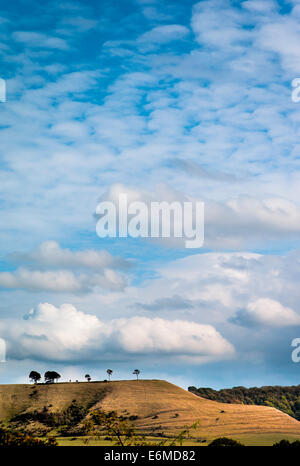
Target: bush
(225, 442)
(287, 443)
(13, 439)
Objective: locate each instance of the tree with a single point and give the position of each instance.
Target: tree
(109, 372)
(34, 376)
(87, 377)
(136, 372)
(51, 376)
(122, 433)
(286, 443)
(225, 442)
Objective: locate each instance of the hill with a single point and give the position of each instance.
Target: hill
(287, 399)
(154, 405)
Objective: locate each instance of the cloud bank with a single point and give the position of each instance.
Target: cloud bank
(66, 334)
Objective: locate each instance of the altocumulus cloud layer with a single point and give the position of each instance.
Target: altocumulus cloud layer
(165, 101)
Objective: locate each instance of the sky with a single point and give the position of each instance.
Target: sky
(165, 101)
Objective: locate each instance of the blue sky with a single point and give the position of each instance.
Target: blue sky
(167, 101)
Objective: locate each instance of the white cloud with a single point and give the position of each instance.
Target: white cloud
(153, 13)
(243, 222)
(164, 34)
(90, 269)
(174, 302)
(38, 40)
(212, 288)
(282, 37)
(246, 222)
(71, 24)
(206, 289)
(34, 280)
(240, 121)
(222, 31)
(61, 281)
(68, 334)
(177, 337)
(269, 31)
(70, 130)
(260, 7)
(65, 326)
(267, 312)
(49, 253)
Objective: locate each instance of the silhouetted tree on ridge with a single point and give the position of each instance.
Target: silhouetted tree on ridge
(136, 372)
(51, 376)
(35, 376)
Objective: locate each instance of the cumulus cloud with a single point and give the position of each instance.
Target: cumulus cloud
(173, 337)
(213, 288)
(267, 312)
(65, 333)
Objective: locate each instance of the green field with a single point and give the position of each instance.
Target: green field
(246, 439)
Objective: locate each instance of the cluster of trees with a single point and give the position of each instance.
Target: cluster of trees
(16, 439)
(229, 442)
(49, 376)
(287, 399)
(52, 376)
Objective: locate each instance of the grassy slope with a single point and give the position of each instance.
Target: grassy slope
(173, 406)
(15, 399)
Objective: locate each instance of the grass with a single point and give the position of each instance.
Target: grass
(246, 439)
(80, 441)
(261, 440)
